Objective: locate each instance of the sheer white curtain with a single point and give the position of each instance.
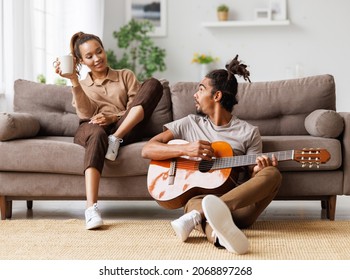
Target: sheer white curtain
(66, 17)
(34, 32)
(16, 46)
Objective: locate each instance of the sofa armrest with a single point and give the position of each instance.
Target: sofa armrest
(18, 125)
(346, 152)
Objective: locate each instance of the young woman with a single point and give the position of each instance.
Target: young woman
(113, 107)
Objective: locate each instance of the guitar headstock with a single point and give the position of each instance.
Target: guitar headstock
(310, 157)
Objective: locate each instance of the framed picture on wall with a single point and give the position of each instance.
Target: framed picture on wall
(278, 9)
(152, 10)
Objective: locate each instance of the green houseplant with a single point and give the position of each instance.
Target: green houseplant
(41, 79)
(58, 81)
(222, 12)
(139, 52)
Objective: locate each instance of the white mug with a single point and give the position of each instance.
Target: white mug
(66, 64)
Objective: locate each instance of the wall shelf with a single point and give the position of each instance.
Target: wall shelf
(246, 23)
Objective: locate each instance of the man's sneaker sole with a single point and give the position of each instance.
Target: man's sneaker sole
(94, 225)
(220, 219)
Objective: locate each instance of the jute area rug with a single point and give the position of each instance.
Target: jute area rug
(155, 240)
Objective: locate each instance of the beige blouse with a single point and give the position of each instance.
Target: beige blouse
(113, 95)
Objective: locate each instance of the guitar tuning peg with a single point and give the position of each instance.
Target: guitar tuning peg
(310, 165)
(303, 165)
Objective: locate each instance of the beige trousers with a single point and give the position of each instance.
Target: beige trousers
(246, 201)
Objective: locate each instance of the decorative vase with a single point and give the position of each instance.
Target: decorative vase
(204, 69)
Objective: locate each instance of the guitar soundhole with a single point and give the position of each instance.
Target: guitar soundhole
(205, 165)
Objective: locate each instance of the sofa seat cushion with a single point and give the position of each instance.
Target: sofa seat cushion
(54, 154)
(295, 142)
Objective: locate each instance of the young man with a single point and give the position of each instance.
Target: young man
(220, 217)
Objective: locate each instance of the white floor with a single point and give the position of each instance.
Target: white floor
(277, 210)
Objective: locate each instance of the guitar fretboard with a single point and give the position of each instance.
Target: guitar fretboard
(237, 161)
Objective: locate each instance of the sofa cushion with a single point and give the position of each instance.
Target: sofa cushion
(18, 125)
(276, 107)
(182, 99)
(324, 123)
(59, 155)
(299, 142)
(50, 104)
(162, 114)
(280, 107)
(53, 108)
(48, 154)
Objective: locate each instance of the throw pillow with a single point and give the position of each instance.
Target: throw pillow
(324, 123)
(17, 125)
(161, 115)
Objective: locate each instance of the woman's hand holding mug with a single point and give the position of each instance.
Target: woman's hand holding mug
(65, 66)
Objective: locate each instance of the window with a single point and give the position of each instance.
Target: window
(34, 32)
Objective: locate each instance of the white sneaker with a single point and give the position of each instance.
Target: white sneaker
(220, 219)
(93, 217)
(113, 147)
(186, 223)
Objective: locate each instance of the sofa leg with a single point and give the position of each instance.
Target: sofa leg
(9, 209)
(3, 207)
(330, 204)
(29, 204)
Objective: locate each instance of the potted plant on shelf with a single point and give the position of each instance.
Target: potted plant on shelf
(222, 12)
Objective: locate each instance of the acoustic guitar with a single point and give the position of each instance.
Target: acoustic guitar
(173, 182)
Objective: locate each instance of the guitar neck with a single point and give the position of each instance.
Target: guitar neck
(245, 160)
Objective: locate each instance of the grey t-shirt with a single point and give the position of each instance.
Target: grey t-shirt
(243, 137)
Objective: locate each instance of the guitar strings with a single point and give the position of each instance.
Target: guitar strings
(216, 163)
(228, 162)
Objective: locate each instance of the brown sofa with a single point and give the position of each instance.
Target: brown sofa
(39, 161)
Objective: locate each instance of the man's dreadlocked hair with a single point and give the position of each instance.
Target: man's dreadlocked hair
(224, 80)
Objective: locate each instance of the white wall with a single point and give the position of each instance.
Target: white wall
(318, 40)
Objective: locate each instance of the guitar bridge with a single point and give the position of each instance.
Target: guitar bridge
(172, 172)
